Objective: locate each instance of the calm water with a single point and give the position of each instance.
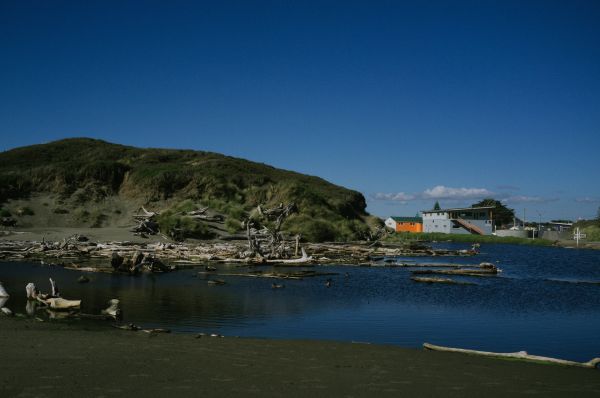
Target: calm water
(533, 305)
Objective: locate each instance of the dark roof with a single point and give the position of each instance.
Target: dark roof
(459, 209)
(408, 219)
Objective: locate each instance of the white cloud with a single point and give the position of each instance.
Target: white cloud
(587, 199)
(400, 196)
(437, 192)
(442, 192)
(528, 199)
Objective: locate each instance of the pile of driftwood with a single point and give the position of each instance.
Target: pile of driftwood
(52, 299)
(56, 306)
(77, 252)
(137, 263)
(146, 222)
(265, 240)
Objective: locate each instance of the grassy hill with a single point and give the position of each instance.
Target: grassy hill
(87, 182)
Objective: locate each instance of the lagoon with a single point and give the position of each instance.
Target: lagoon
(536, 304)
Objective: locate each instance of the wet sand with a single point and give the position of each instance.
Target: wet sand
(61, 360)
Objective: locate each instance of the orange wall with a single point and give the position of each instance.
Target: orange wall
(406, 227)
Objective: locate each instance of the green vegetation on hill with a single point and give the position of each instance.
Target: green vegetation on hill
(501, 214)
(82, 171)
(591, 228)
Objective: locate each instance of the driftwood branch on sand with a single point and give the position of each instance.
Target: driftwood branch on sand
(302, 260)
(521, 355)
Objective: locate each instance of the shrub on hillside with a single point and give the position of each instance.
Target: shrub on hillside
(81, 214)
(232, 225)
(310, 229)
(181, 227)
(592, 233)
(98, 218)
(25, 211)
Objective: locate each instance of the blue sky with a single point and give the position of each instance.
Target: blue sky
(406, 102)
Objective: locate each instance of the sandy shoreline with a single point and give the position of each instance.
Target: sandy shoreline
(54, 359)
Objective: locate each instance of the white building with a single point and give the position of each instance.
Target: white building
(469, 220)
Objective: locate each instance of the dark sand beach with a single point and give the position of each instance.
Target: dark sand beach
(62, 360)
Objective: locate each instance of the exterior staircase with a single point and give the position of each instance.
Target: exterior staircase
(474, 229)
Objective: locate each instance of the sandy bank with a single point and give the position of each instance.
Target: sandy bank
(50, 234)
(42, 359)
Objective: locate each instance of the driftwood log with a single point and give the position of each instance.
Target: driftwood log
(58, 303)
(3, 296)
(31, 291)
(54, 288)
(484, 269)
(522, 355)
(440, 280)
(302, 260)
(462, 271)
(113, 309)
